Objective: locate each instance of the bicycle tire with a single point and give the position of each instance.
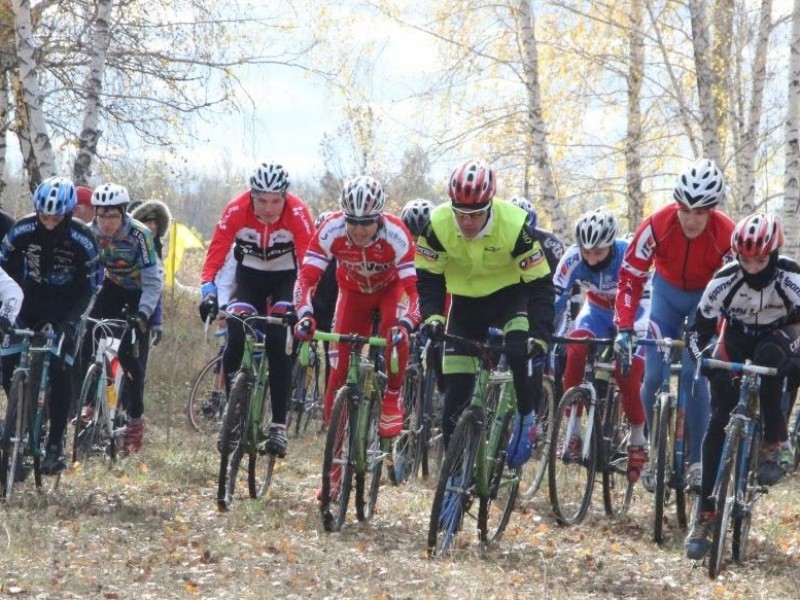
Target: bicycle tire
(313, 406)
(571, 479)
(535, 469)
(39, 428)
(431, 451)
(743, 515)
(494, 511)
(368, 481)
(258, 487)
(795, 437)
(12, 448)
(726, 496)
(405, 449)
(458, 467)
(206, 404)
(85, 436)
(662, 411)
(232, 438)
(337, 461)
(617, 489)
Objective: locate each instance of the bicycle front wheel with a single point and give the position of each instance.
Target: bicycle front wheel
(38, 434)
(368, 482)
(12, 468)
(232, 439)
(661, 438)
(405, 450)
(572, 463)
(455, 489)
(617, 490)
(338, 461)
(534, 470)
(726, 495)
(207, 398)
(743, 513)
(494, 511)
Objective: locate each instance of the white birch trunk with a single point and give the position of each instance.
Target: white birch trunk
(705, 81)
(26, 61)
(633, 139)
(92, 87)
(791, 202)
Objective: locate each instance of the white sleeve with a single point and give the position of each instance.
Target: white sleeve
(225, 279)
(11, 297)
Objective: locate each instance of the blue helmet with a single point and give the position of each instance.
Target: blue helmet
(525, 205)
(55, 196)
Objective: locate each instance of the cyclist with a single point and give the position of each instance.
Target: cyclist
(416, 215)
(269, 229)
(756, 299)
(593, 262)
(686, 241)
(374, 254)
(53, 258)
(481, 252)
(131, 289)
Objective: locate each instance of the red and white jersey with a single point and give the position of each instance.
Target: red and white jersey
(278, 246)
(366, 269)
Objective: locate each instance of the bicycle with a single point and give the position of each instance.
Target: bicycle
(593, 407)
(248, 413)
(102, 390)
(736, 489)
(418, 447)
(305, 402)
(475, 462)
(667, 440)
(793, 424)
(207, 398)
(22, 444)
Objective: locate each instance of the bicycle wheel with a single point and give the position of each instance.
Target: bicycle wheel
(207, 398)
(405, 450)
(794, 437)
(86, 436)
(431, 450)
(534, 470)
(617, 490)
(726, 495)
(337, 461)
(743, 513)
(661, 442)
(258, 486)
(12, 468)
(455, 487)
(39, 427)
(571, 467)
(232, 438)
(494, 511)
(368, 482)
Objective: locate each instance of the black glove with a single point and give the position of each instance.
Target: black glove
(5, 326)
(139, 321)
(208, 309)
(697, 348)
(516, 344)
(156, 333)
(432, 330)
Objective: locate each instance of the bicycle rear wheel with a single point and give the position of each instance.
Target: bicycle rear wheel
(207, 398)
(337, 461)
(232, 438)
(86, 436)
(455, 488)
(617, 490)
(313, 406)
(743, 512)
(571, 469)
(494, 511)
(368, 482)
(534, 470)
(726, 495)
(661, 442)
(12, 468)
(405, 450)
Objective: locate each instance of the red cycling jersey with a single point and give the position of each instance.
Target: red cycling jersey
(686, 264)
(365, 269)
(278, 246)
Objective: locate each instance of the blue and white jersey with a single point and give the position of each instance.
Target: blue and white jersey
(600, 285)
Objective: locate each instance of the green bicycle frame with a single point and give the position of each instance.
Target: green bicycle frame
(47, 352)
(257, 387)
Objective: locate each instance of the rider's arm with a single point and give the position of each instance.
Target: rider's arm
(223, 238)
(633, 275)
(430, 262)
(317, 258)
(152, 274)
(404, 263)
(302, 227)
(565, 276)
(537, 285)
(87, 272)
(10, 296)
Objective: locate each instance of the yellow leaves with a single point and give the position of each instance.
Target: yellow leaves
(143, 470)
(190, 587)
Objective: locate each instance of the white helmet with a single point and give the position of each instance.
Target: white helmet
(701, 186)
(269, 177)
(111, 194)
(596, 229)
(416, 215)
(362, 197)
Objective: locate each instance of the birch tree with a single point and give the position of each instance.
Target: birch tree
(633, 138)
(706, 80)
(791, 200)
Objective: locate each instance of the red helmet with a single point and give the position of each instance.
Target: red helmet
(759, 234)
(472, 185)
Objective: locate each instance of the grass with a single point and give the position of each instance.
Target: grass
(149, 528)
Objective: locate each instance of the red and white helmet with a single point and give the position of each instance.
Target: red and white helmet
(362, 197)
(472, 185)
(700, 186)
(269, 177)
(759, 234)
